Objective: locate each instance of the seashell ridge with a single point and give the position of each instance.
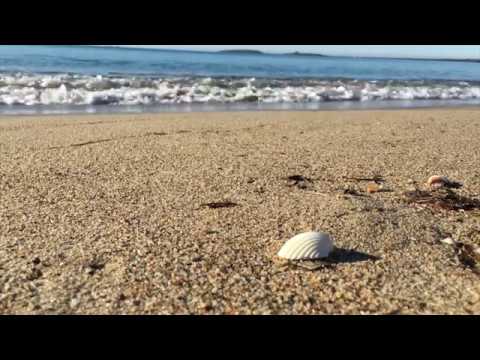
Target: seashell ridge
(307, 246)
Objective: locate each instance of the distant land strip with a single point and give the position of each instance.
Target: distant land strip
(258, 52)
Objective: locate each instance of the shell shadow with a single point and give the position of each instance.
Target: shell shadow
(345, 256)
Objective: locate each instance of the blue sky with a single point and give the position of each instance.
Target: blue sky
(422, 51)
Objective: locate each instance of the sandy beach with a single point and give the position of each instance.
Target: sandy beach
(108, 214)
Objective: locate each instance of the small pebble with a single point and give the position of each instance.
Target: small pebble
(448, 241)
(74, 303)
(373, 188)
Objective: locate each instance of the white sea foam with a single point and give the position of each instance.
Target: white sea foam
(66, 89)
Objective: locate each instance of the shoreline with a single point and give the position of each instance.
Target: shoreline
(107, 215)
(240, 108)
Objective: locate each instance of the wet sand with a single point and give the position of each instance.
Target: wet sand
(105, 214)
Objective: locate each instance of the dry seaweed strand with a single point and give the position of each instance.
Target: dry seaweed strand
(442, 200)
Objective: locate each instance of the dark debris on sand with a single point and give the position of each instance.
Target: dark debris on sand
(299, 181)
(219, 205)
(469, 256)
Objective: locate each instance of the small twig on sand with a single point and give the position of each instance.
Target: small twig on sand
(352, 192)
(377, 179)
(316, 193)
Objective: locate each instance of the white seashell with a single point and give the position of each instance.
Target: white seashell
(448, 241)
(307, 246)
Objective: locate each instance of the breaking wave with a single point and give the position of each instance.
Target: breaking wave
(69, 89)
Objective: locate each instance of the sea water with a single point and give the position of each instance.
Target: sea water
(59, 79)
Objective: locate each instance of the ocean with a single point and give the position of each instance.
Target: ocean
(65, 79)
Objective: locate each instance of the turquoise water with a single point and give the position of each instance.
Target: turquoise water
(75, 77)
(93, 61)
